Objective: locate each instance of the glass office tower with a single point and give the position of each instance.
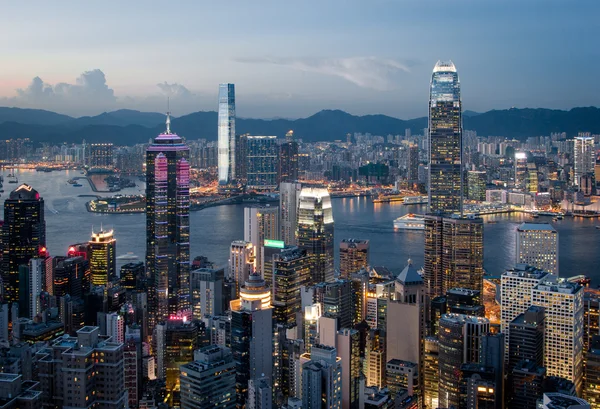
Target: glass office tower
(226, 133)
(445, 140)
(167, 223)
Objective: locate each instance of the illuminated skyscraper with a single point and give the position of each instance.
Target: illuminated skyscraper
(167, 223)
(289, 194)
(261, 223)
(537, 246)
(585, 158)
(101, 155)
(23, 236)
(102, 249)
(453, 254)
(354, 255)
(445, 140)
(291, 271)
(476, 183)
(226, 133)
(315, 231)
(288, 159)
(263, 163)
(520, 170)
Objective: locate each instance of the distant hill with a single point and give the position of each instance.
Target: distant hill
(130, 127)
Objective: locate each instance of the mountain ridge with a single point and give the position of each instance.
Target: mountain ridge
(131, 127)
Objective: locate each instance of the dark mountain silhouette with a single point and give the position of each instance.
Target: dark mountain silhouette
(130, 127)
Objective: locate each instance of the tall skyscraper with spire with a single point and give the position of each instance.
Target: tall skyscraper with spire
(167, 223)
(226, 134)
(445, 140)
(453, 242)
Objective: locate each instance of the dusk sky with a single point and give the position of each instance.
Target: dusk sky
(292, 59)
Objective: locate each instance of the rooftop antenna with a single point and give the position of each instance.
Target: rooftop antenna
(168, 116)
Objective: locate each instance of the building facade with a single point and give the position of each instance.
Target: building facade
(537, 246)
(167, 223)
(262, 156)
(226, 134)
(354, 255)
(102, 256)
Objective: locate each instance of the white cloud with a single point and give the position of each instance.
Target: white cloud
(366, 72)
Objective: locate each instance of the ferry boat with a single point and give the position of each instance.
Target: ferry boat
(410, 222)
(535, 215)
(77, 185)
(580, 279)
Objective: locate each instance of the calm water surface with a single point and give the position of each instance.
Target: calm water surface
(213, 229)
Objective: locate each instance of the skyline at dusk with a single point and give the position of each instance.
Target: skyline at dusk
(294, 61)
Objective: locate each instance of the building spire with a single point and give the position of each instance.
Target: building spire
(168, 117)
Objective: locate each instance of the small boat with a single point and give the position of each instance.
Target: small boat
(598, 227)
(71, 181)
(15, 180)
(492, 222)
(77, 185)
(555, 219)
(535, 215)
(559, 217)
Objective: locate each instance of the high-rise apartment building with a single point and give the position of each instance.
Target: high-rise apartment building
(288, 159)
(453, 254)
(591, 391)
(23, 237)
(445, 140)
(252, 335)
(563, 340)
(261, 224)
(226, 134)
(102, 256)
(348, 349)
(515, 295)
(431, 372)
(460, 339)
(168, 224)
(537, 245)
(263, 163)
(289, 195)
(315, 231)
(72, 374)
(585, 158)
(209, 381)
(354, 255)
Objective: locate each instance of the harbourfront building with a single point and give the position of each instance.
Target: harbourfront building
(23, 237)
(102, 257)
(168, 224)
(315, 231)
(537, 246)
(445, 140)
(226, 134)
(585, 158)
(263, 162)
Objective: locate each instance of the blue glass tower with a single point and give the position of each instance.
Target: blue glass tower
(445, 140)
(226, 133)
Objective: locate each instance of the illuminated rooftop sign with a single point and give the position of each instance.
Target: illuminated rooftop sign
(275, 243)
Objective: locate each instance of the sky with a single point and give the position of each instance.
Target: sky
(293, 59)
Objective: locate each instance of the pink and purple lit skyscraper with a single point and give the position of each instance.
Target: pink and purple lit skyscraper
(168, 225)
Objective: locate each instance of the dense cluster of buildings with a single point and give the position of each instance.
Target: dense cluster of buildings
(280, 326)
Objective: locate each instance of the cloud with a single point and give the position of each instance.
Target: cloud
(174, 90)
(88, 94)
(366, 72)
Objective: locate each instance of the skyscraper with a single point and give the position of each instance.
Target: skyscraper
(563, 341)
(289, 194)
(537, 246)
(460, 338)
(453, 254)
(226, 134)
(291, 271)
(260, 223)
(23, 236)
(288, 159)
(167, 223)
(102, 249)
(315, 231)
(412, 173)
(252, 335)
(445, 140)
(263, 164)
(585, 158)
(354, 255)
(520, 170)
(476, 183)
(241, 262)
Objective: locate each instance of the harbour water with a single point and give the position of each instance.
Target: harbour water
(213, 229)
